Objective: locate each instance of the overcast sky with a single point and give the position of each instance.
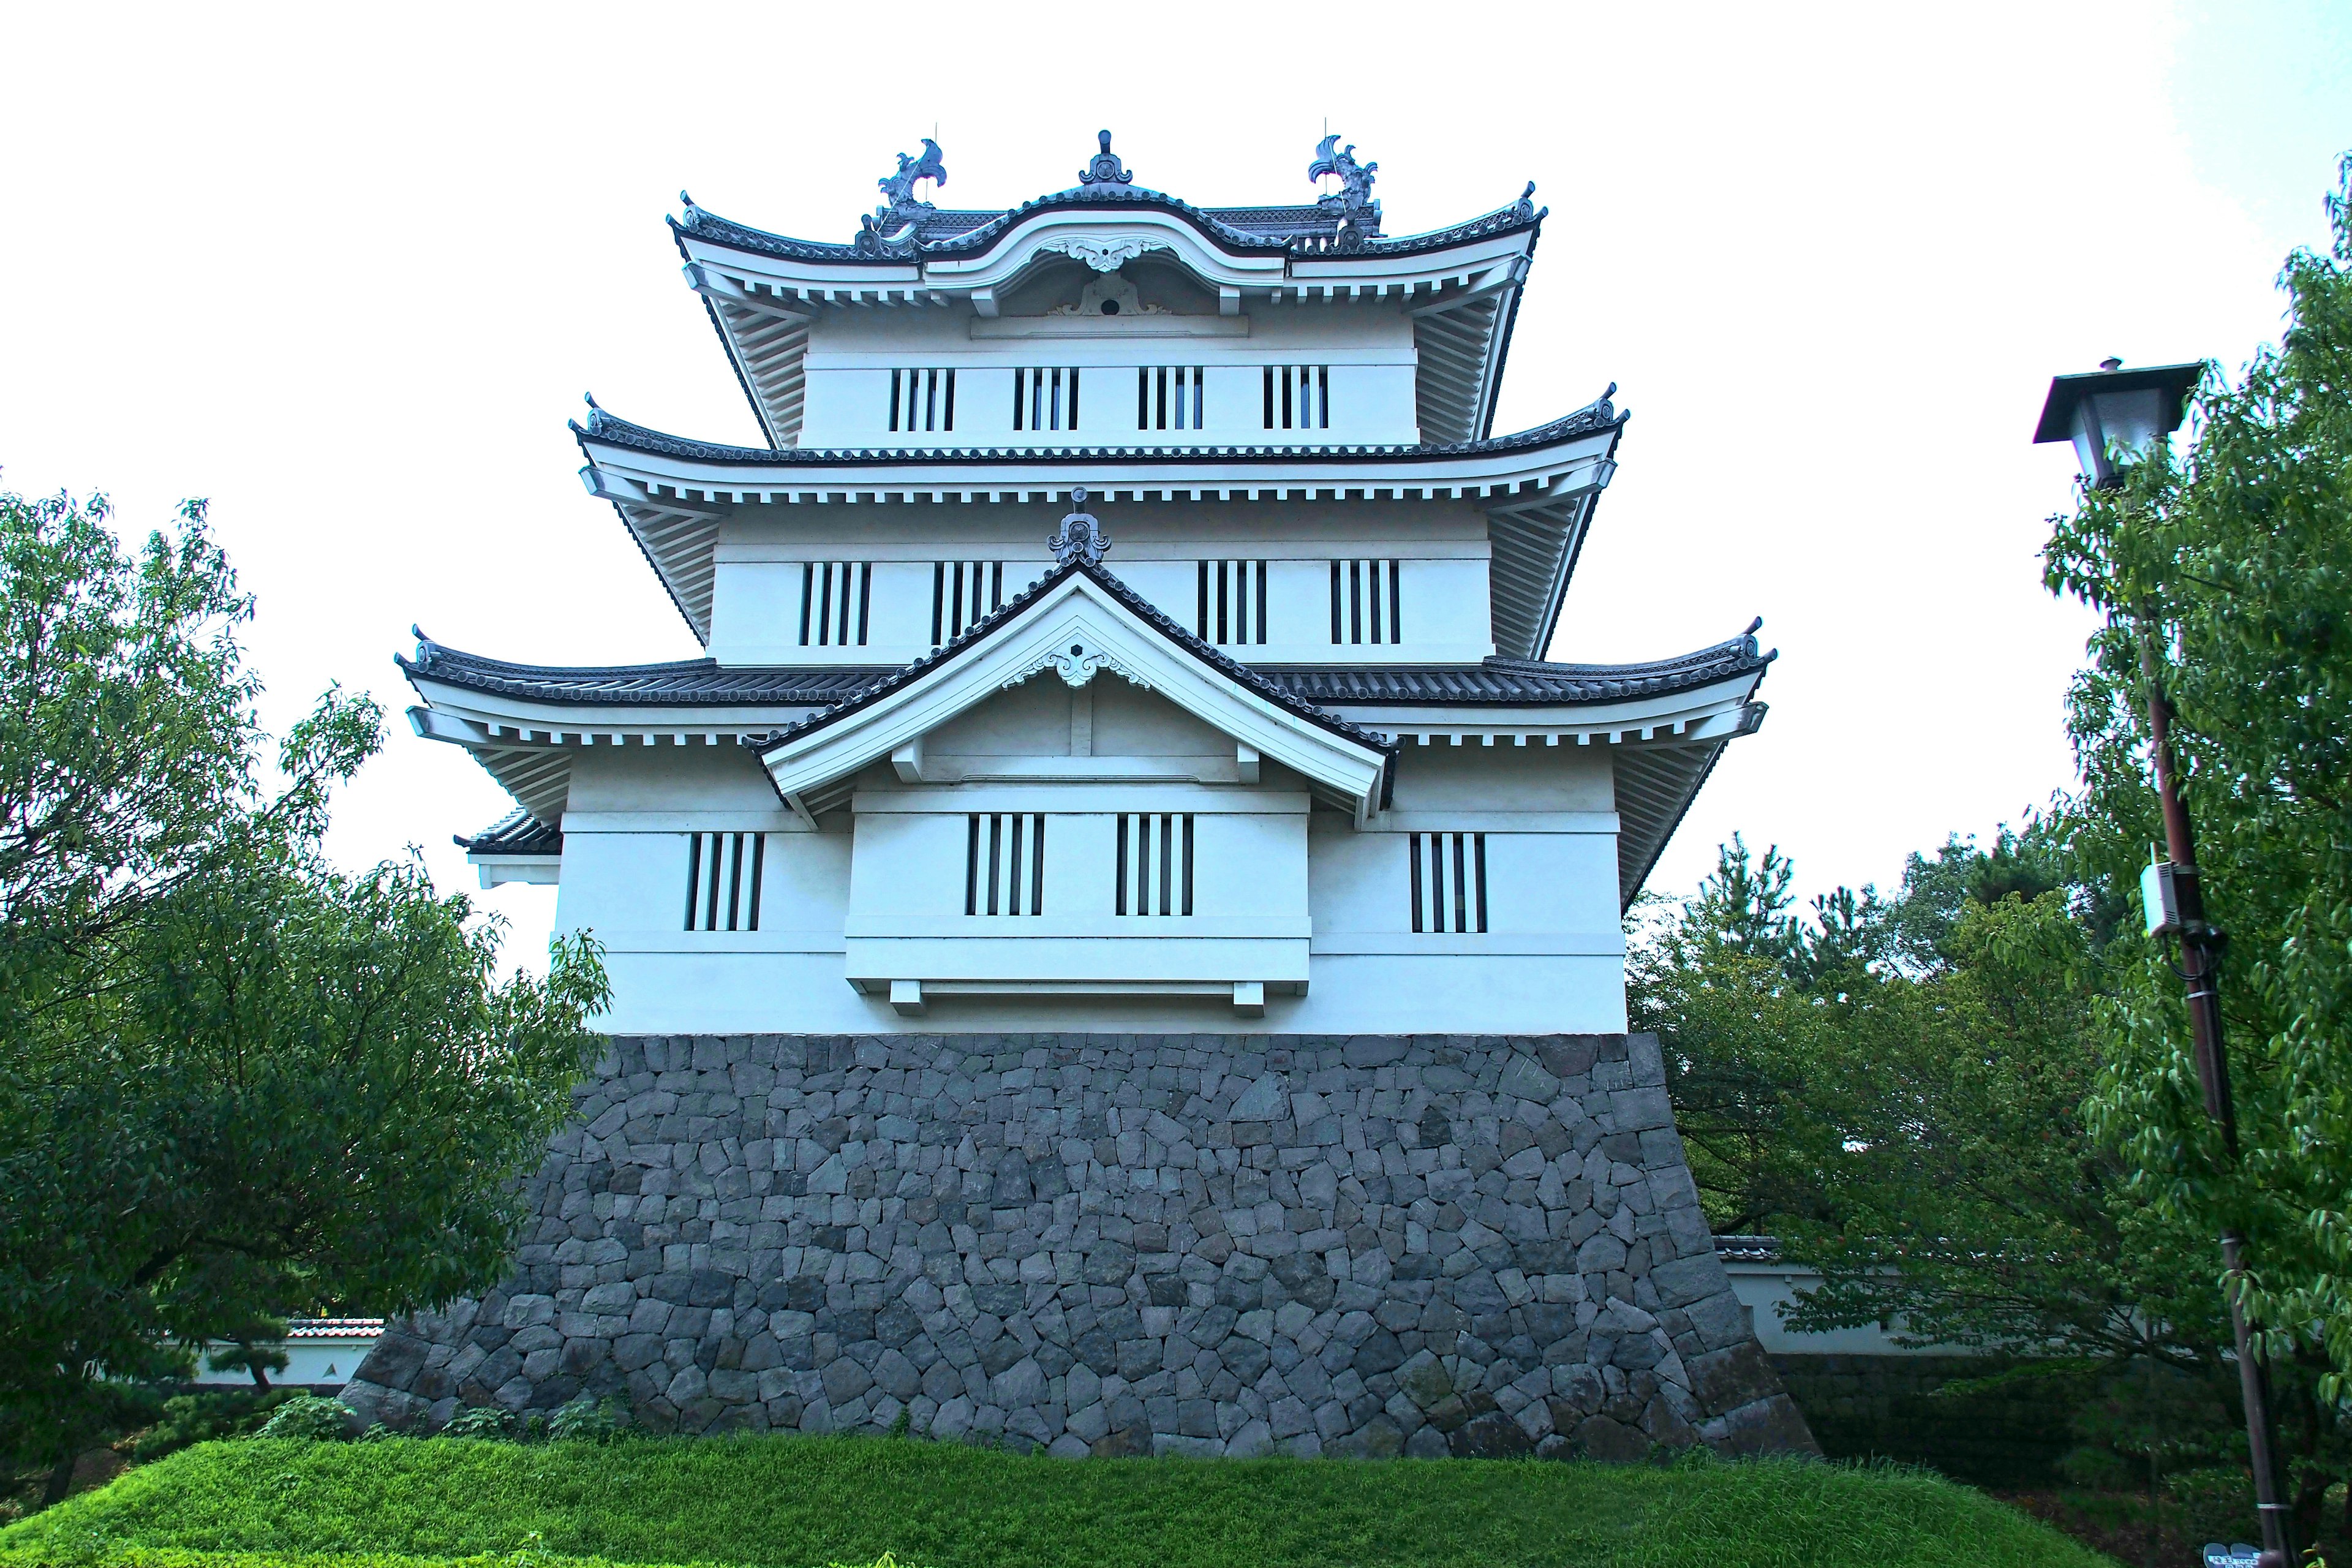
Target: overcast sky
(346, 272)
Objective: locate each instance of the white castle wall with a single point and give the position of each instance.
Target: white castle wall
(1440, 549)
(1272, 876)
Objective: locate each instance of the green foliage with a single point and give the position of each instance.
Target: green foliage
(309, 1418)
(482, 1421)
(239, 1082)
(1895, 1087)
(587, 1419)
(2234, 568)
(772, 1500)
(2229, 571)
(203, 1416)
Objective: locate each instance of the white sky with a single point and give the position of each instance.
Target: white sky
(346, 272)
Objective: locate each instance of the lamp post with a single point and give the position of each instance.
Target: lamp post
(2109, 413)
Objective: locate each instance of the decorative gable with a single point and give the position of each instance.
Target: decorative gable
(1077, 624)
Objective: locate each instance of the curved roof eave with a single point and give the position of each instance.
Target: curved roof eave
(1316, 242)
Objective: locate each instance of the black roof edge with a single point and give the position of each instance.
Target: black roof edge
(517, 833)
(758, 415)
(701, 222)
(1583, 533)
(1510, 325)
(580, 437)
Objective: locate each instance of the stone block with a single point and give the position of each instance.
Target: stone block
(1399, 1239)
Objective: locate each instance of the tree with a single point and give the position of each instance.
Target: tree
(239, 1082)
(1895, 1087)
(2230, 568)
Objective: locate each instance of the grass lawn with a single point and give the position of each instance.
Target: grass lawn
(815, 1501)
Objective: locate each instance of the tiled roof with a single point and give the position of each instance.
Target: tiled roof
(1301, 230)
(1748, 1248)
(1528, 682)
(331, 1328)
(518, 833)
(703, 682)
(699, 681)
(1597, 416)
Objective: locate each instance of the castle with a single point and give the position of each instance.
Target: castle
(1119, 946)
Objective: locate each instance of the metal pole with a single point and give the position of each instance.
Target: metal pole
(2200, 959)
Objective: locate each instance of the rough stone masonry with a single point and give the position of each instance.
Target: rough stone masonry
(1120, 1244)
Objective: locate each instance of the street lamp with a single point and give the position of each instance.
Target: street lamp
(2113, 411)
(2108, 414)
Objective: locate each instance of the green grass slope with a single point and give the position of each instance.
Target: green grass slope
(796, 1500)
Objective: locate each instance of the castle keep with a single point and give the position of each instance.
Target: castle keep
(1117, 947)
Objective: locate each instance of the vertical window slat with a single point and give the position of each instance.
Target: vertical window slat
(693, 875)
(1119, 875)
(1013, 865)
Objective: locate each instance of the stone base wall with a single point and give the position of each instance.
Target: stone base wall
(1107, 1244)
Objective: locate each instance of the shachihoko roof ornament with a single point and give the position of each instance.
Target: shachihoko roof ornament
(1104, 168)
(899, 207)
(1358, 212)
(1080, 537)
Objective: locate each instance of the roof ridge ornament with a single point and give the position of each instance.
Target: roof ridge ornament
(1104, 168)
(1080, 539)
(1358, 212)
(900, 207)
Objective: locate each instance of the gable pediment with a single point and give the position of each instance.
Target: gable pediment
(1077, 628)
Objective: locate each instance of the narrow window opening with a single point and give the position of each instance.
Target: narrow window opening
(758, 862)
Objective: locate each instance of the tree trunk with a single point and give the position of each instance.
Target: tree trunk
(60, 1482)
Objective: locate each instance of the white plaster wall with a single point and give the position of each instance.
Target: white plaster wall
(1368, 346)
(1441, 549)
(1552, 959)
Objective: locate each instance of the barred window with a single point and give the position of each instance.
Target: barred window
(835, 599)
(1367, 602)
(1232, 602)
(1045, 399)
(1299, 398)
(1449, 881)
(922, 399)
(963, 592)
(1170, 397)
(722, 880)
(1005, 860)
(1154, 874)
